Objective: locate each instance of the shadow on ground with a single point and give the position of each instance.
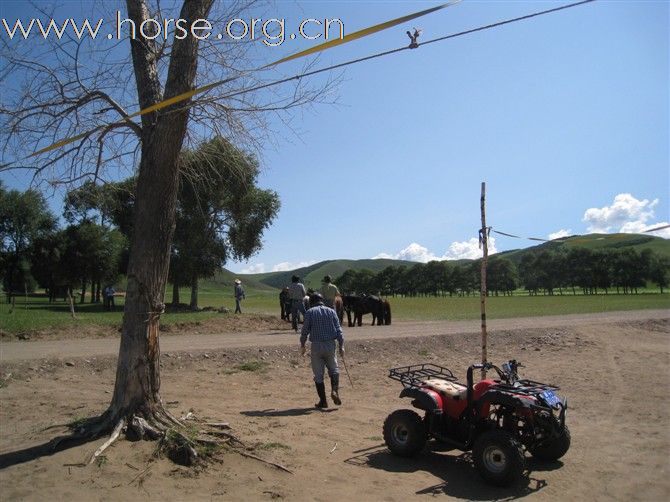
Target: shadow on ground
(291, 412)
(459, 478)
(31, 453)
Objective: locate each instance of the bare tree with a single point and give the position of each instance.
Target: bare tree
(77, 88)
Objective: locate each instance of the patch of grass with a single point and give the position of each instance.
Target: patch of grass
(37, 314)
(177, 442)
(254, 366)
(375, 438)
(423, 353)
(77, 423)
(100, 461)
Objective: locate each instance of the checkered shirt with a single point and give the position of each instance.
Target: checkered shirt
(321, 324)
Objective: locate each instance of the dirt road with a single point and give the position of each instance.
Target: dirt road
(17, 351)
(612, 368)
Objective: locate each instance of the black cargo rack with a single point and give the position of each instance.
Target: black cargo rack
(528, 387)
(415, 375)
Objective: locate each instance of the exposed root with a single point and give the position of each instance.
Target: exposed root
(142, 429)
(113, 437)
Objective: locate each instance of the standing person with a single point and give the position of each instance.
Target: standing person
(329, 292)
(239, 295)
(296, 292)
(109, 297)
(323, 329)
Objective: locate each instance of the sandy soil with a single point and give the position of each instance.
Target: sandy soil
(613, 371)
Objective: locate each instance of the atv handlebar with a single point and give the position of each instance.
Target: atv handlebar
(508, 373)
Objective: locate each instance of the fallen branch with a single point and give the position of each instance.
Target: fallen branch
(278, 466)
(113, 437)
(226, 435)
(220, 425)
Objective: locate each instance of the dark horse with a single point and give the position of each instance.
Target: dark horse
(285, 304)
(360, 305)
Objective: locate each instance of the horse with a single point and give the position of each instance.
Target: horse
(360, 305)
(338, 305)
(285, 304)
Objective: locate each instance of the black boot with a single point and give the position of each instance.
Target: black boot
(335, 387)
(321, 391)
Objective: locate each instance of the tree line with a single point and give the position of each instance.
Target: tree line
(578, 270)
(221, 215)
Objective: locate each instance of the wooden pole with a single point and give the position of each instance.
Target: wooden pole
(484, 241)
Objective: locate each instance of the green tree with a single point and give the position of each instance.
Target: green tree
(501, 276)
(659, 271)
(221, 213)
(24, 217)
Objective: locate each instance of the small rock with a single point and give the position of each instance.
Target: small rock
(69, 363)
(206, 356)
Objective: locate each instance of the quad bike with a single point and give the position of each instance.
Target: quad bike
(496, 419)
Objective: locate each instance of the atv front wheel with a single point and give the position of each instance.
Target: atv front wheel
(554, 448)
(404, 433)
(499, 458)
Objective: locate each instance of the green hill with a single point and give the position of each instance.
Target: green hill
(638, 242)
(312, 275)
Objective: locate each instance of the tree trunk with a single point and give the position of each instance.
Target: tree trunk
(83, 291)
(92, 290)
(194, 293)
(175, 293)
(97, 292)
(136, 391)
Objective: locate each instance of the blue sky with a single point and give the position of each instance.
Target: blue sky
(564, 116)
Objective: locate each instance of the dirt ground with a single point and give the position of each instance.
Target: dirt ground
(613, 373)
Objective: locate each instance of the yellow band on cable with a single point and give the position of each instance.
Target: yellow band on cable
(321, 47)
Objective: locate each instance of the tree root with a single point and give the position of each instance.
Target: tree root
(114, 436)
(183, 444)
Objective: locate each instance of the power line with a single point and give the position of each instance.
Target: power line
(315, 72)
(393, 51)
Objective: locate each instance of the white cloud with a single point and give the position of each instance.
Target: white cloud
(560, 234)
(626, 212)
(416, 252)
(287, 265)
(257, 268)
(457, 250)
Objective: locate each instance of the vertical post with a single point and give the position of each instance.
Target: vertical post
(483, 236)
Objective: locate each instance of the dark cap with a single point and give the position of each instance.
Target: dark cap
(295, 278)
(327, 279)
(315, 299)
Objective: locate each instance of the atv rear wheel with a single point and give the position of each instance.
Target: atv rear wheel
(499, 458)
(555, 448)
(404, 433)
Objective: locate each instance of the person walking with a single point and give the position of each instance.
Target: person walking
(297, 293)
(329, 292)
(109, 297)
(323, 329)
(239, 295)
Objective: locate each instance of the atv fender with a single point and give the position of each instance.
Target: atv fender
(502, 398)
(424, 399)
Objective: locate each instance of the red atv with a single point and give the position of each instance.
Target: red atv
(494, 418)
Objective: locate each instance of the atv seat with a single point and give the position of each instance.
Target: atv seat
(450, 389)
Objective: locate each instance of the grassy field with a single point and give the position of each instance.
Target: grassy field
(37, 314)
